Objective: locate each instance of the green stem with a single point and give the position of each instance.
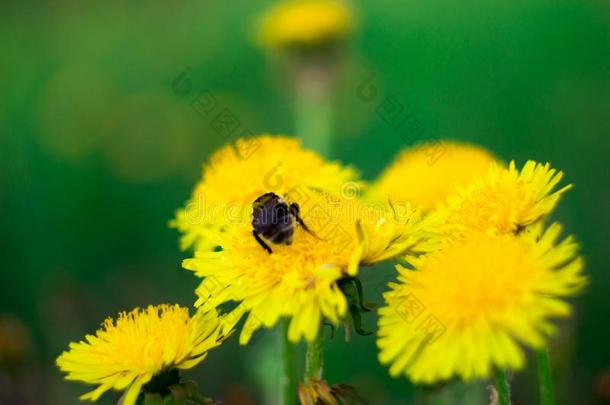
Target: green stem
(545, 378)
(314, 358)
(502, 387)
(313, 109)
(289, 377)
(474, 392)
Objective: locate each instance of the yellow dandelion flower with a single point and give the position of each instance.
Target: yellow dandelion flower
(300, 280)
(126, 354)
(504, 200)
(237, 174)
(469, 307)
(427, 174)
(305, 23)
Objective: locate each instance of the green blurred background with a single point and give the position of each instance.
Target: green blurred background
(98, 148)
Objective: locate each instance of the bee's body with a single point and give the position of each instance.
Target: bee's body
(274, 219)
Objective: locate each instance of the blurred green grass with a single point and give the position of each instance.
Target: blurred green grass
(97, 151)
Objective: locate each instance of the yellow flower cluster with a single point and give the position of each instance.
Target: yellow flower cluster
(481, 278)
(279, 233)
(299, 280)
(497, 279)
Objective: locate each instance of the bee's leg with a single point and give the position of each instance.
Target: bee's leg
(261, 242)
(294, 210)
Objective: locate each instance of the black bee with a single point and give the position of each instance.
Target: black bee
(273, 218)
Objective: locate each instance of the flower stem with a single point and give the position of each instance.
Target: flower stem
(314, 357)
(289, 378)
(502, 387)
(544, 377)
(313, 109)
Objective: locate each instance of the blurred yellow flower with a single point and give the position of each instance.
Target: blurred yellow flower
(504, 200)
(300, 281)
(127, 353)
(15, 341)
(305, 23)
(466, 309)
(237, 174)
(427, 174)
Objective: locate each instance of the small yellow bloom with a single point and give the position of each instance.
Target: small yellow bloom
(237, 174)
(467, 308)
(504, 200)
(300, 281)
(127, 353)
(427, 174)
(305, 23)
